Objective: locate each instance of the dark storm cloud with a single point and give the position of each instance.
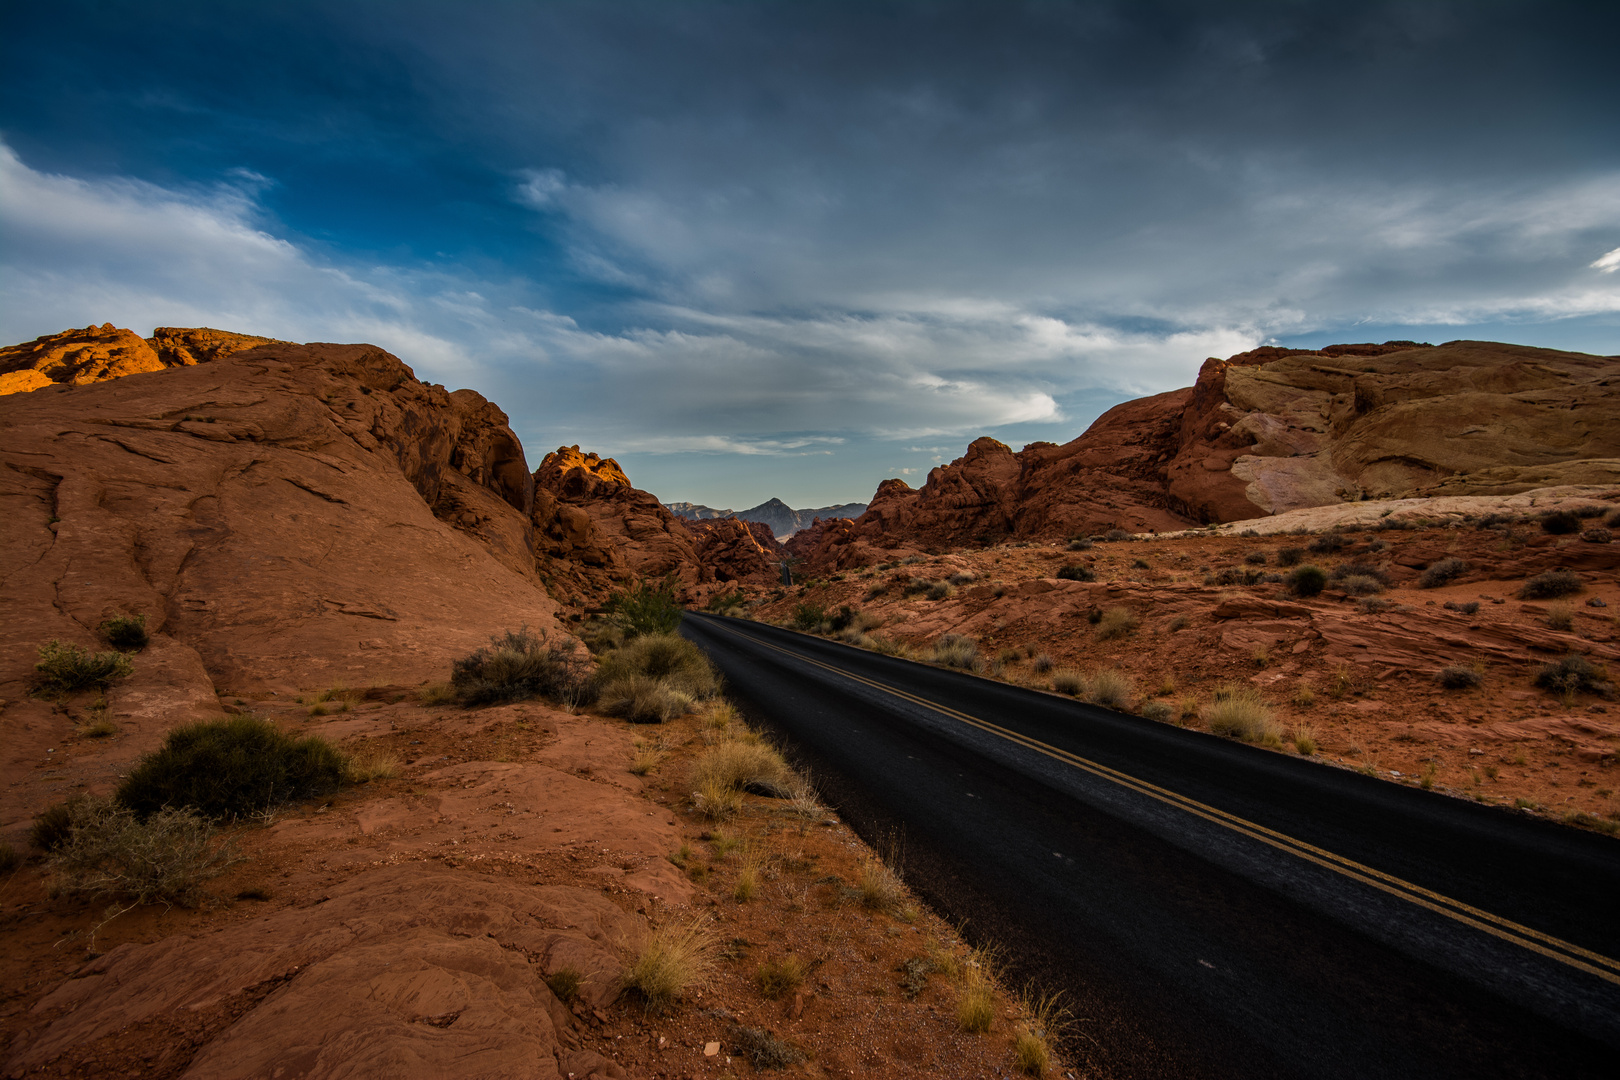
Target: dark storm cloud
(764, 230)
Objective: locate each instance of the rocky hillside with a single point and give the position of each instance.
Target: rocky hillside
(1265, 432)
(782, 519)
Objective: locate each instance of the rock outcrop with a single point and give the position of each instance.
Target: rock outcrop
(98, 353)
(735, 550)
(1265, 432)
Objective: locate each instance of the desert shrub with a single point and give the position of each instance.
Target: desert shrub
(669, 658)
(723, 602)
(1290, 556)
(369, 765)
(1235, 575)
(671, 961)
(1042, 664)
(1441, 573)
(1068, 681)
(917, 586)
(1458, 677)
(961, 577)
(1305, 740)
(1551, 585)
(566, 982)
(1469, 608)
(643, 699)
(1117, 622)
(1179, 623)
(518, 666)
(1048, 1019)
(111, 852)
(776, 978)
(1157, 710)
(941, 590)
(1560, 522)
(1574, 674)
(1328, 543)
(1374, 605)
(646, 608)
(763, 1049)
(439, 693)
(231, 767)
(1076, 572)
(1360, 568)
(10, 859)
(1110, 688)
(1081, 544)
(1241, 713)
(976, 1006)
(808, 615)
(1361, 585)
(125, 632)
(66, 668)
(1141, 564)
(954, 650)
(1597, 534)
(745, 764)
(1255, 558)
(1307, 581)
(1560, 617)
(1114, 535)
(52, 825)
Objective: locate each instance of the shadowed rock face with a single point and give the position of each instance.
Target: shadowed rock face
(737, 550)
(1269, 431)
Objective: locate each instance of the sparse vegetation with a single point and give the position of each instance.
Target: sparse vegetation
(1068, 681)
(745, 763)
(808, 615)
(1560, 522)
(879, 887)
(127, 632)
(1572, 675)
(647, 608)
(110, 852)
(1157, 710)
(1042, 664)
(369, 765)
(64, 668)
(1597, 534)
(1560, 617)
(1076, 572)
(941, 590)
(1458, 677)
(1551, 585)
(778, 978)
(518, 666)
(10, 859)
(1110, 688)
(671, 961)
(1047, 1019)
(1241, 713)
(654, 678)
(954, 650)
(1469, 608)
(763, 1049)
(229, 768)
(439, 693)
(1117, 622)
(1307, 580)
(1305, 740)
(1290, 556)
(1441, 573)
(565, 982)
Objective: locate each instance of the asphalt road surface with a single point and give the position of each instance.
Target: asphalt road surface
(1209, 908)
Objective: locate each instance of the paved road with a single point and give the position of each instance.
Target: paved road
(1210, 908)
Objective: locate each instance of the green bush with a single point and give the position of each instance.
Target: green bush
(723, 602)
(1552, 584)
(1307, 580)
(647, 609)
(808, 615)
(66, 668)
(518, 666)
(125, 632)
(229, 768)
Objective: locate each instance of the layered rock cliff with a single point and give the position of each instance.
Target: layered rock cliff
(97, 353)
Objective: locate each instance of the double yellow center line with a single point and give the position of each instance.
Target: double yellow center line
(1523, 936)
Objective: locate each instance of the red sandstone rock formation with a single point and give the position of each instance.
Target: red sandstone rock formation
(1268, 431)
(97, 353)
(737, 550)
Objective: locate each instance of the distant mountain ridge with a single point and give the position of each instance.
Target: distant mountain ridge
(783, 520)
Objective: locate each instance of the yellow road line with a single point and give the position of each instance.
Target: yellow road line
(1526, 937)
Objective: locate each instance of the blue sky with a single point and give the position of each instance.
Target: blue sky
(772, 249)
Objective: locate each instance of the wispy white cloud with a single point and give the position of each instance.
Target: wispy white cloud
(1609, 263)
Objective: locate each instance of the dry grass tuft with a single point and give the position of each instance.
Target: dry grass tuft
(1048, 1018)
(1117, 622)
(370, 764)
(1241, 713)
(1305, 740)
(976, 1003)
(439, 693)
(954, 650)
(671, 961)
(745, 762)
(1110, 688)
(647, 757)
(778, 978)
(879, 887)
